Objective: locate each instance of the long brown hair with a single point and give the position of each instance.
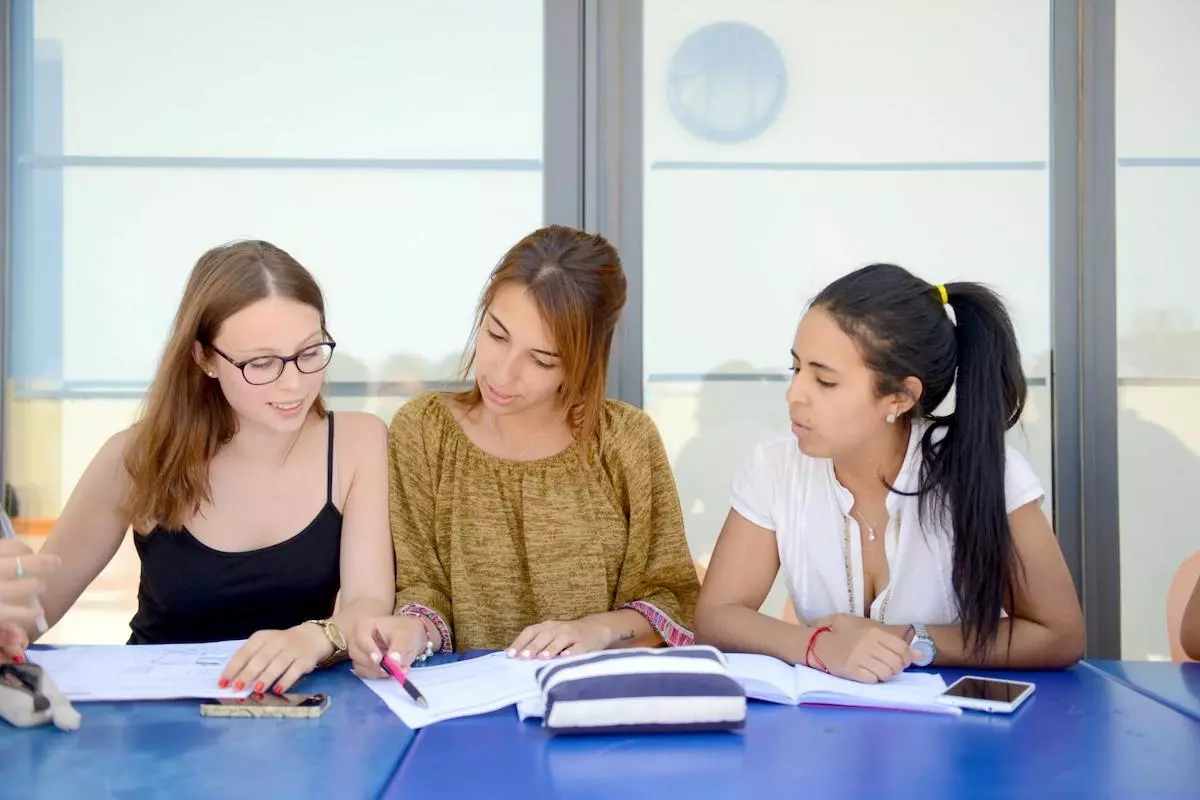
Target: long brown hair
(577, 283)
(186, 419)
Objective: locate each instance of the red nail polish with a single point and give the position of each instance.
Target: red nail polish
(278, 689)
(223, 682)
(237, 687)
(258, 687)
(18, 659)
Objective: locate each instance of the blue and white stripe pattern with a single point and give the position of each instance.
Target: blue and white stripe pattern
(642, 690)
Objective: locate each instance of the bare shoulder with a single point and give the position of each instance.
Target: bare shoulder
(359, 424)
(119, 441)
(359, 432)
(360, 439)
(106, 480)
(110, 459)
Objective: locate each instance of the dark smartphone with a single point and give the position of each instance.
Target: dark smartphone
(287, 706)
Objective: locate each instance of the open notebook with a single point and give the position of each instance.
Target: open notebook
(775, 681)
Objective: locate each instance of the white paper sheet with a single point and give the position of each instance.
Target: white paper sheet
(138, 672)
(461, 689)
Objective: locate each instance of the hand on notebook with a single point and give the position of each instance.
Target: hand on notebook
(861, 649)
(554, 638)
(274, 660)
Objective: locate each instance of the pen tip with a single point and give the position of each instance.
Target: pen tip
(422, 702)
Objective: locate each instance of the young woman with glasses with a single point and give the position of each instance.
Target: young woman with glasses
(249, 512)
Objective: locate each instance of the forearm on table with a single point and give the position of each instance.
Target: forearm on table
(738, 629)
(1032, 646)
(626, 628)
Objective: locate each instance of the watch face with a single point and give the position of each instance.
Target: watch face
(925, 648)
(335, 636)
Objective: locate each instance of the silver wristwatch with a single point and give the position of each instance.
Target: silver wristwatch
(922, 643)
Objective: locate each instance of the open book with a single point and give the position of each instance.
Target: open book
(775, 681)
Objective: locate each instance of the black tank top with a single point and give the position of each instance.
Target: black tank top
(189, 592)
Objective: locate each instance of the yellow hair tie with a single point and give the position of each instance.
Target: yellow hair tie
(941, 288)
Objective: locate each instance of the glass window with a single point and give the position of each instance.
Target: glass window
(394, 148)
(788, 142)
(1158, 331)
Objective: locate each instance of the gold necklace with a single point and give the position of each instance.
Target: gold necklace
(850, 572)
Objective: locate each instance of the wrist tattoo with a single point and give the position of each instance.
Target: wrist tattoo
(626, 637)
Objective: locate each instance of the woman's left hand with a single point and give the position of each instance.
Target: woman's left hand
(555, 638)
(274, 660)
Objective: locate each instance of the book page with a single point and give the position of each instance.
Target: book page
(764, 677)
(914, 691)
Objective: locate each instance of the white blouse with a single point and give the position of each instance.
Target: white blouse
(800, 499)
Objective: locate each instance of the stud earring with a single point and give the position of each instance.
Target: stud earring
(891, 418)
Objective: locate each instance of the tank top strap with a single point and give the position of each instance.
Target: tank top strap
(329, 462)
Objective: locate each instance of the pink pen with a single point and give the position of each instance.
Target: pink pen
(392, 669)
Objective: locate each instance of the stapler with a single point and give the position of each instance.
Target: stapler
(28, 697)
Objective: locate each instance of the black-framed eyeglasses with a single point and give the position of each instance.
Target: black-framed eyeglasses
(267, 369)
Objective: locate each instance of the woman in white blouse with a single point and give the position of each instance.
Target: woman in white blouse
(904, 537)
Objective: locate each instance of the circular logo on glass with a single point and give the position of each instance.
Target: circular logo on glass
(727, 82)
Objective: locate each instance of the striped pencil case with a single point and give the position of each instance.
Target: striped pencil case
(641, 690)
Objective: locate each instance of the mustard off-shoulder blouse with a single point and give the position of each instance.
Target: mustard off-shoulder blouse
(486, 546)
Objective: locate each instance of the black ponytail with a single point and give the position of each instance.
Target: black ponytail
(902, 330)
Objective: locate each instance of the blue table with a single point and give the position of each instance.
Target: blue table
(1175, 685)
(166, 748)
(1080, 735)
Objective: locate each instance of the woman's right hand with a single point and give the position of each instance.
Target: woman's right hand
(21, 573)
(400, 638)
(861, 650)
(17, 611)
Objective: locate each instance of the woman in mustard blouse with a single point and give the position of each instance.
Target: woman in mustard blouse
(530, 513)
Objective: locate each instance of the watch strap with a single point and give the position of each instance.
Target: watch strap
(339, 653)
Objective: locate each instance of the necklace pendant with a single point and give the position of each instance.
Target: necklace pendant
(870, 534)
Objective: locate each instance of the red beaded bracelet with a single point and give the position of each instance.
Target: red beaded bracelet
(811, 652)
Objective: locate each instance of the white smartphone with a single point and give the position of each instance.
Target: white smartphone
(993, 695)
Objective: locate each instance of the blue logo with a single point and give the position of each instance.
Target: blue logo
(727, 83)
